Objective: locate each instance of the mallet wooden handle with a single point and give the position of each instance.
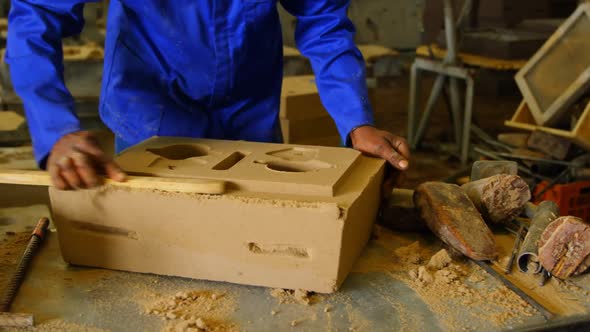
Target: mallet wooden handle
(40, 178)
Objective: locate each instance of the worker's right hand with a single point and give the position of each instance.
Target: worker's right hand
(76, 161)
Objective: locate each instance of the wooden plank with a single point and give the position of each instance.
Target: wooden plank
(10, 121)
(291, 52)
(40, 178)
(552, 145)
(523, 119)
(372, 52)
(472, 59)
(559, 72)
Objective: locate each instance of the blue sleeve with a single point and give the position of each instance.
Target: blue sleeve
(325, 35)
(35, 57)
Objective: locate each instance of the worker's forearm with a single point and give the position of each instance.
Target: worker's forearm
(325, 35)
(49, 107)
(34, 55)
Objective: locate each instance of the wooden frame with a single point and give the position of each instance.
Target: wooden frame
(524, 119)
(559, 72)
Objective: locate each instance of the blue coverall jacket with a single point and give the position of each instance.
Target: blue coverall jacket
(194, 68)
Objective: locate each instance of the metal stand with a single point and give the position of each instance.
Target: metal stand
(448, 69)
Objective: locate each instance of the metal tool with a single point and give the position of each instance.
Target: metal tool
(541, 216)
(541, 308)
(19, 320)
(515, 249)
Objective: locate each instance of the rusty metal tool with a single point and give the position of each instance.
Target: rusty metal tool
(20, 320)
(527, 298)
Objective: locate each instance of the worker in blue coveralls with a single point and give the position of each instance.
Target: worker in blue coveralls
(190, 68)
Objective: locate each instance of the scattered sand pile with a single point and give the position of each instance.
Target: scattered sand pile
(443, 282)
(440, 260)
(195, 311)
(440, 272)
(294, 296)
(412, 254)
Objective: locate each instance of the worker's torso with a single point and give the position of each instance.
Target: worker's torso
(167, 62)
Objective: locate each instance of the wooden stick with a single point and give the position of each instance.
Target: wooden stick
(41, 178)
(8, 319)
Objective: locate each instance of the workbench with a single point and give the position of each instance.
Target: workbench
(377, 296)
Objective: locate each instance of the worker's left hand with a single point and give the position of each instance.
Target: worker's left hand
(383, 144)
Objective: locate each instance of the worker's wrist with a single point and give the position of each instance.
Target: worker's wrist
(350, 133)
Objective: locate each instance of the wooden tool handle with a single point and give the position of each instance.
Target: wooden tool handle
(41, 178)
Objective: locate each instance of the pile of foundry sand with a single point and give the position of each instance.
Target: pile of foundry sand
(193, 311)
(299, 296)
(443, 282)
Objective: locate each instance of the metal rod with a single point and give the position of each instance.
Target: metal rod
(465, 14)
(481, 134)
(434, 95)
(494, 144)
(548, 161)
(544, 311)
(450, 33)
(467, 121)
(19, 274)
(456, 109)
(415, 87)
(525, 170)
